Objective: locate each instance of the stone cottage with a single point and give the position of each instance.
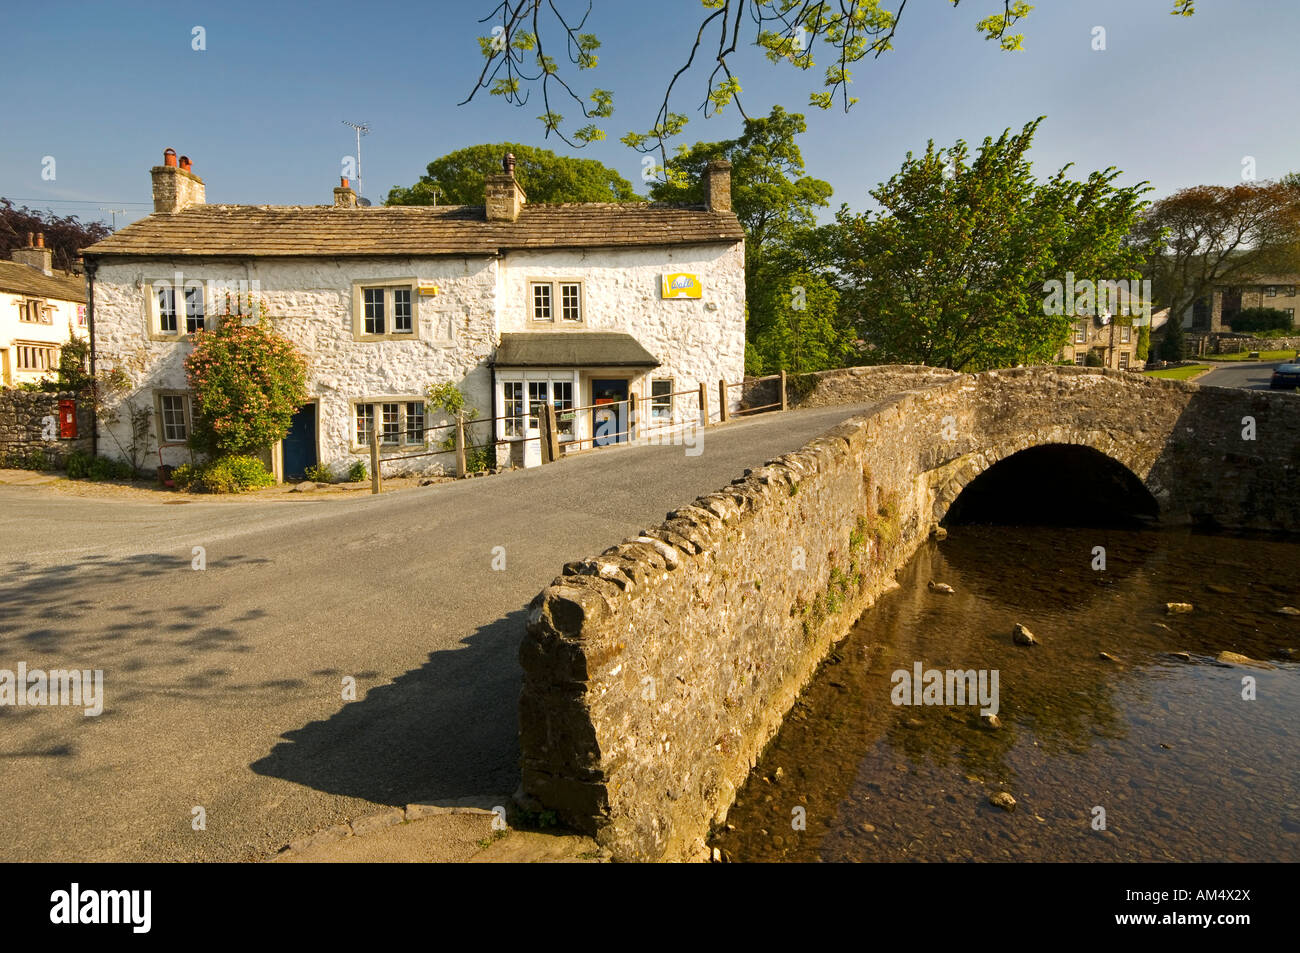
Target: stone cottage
(516, 304)
(41, 309)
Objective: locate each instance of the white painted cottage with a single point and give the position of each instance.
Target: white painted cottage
(516, 304)
(41, 309)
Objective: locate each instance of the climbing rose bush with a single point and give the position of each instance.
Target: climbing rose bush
(247, 383)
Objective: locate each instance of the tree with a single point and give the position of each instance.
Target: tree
(247, 383)
(1143, 342)
(1210, 235)
(1173, 345)
(951, 272)
(65, 235)
(546, 177)
(798, 328)
(769, 192)
(1262, 319)
(517, 61)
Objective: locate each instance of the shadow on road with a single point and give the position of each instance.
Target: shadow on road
(448, 729)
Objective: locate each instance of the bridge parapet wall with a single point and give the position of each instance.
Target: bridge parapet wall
(655, 673)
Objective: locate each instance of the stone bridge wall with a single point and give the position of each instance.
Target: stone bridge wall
(655, 674)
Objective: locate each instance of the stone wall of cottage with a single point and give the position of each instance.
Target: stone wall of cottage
(311, 303)
(698, 340)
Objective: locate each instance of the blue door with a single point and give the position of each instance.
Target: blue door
(299, 446)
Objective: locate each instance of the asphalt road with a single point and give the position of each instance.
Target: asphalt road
(1252, 375)
(224, 686)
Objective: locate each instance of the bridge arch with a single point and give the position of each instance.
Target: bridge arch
(1080, 478)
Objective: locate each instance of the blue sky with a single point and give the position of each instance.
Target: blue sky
(104, 87)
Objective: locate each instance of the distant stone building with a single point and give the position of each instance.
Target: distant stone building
(1213, 313)
(40, 310)
(1114, 341)
(518, 305)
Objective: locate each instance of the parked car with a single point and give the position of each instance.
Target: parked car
(1285, 377)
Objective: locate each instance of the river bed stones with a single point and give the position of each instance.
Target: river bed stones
(1003, 800)
(941, 587)
(990, 722)
(1178, 608)
(1020, 635)
(1107, 657)
(1234, 658)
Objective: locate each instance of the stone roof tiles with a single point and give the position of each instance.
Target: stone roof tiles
(18, 278)
(324, 230)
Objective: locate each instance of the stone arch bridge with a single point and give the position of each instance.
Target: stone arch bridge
(655, 672)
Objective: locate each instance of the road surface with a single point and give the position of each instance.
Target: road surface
(224, 686)
(1251, 375)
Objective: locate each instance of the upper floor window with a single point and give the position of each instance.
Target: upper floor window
(1270, 291)
(1288, 291)
(35, 311)
(1080, 332)
(1125, 333)
(179, 308)
(546, 297)
(385, 310)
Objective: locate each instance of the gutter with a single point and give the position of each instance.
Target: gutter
(92, 266)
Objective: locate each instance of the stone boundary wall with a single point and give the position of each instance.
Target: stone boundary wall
(23, 423)
(656, 673)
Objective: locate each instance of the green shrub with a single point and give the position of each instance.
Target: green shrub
(102, 468)
(185, 475)
(358, 472)
(235, 475)
(27, 458)
(319, 473)
(1260, 320)
(77, 464)
(1093, 359)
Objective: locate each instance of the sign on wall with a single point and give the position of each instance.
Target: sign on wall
(682, 285)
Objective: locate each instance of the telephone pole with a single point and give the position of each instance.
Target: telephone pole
(361, 129)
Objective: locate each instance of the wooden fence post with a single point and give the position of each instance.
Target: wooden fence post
(704, 404)
(631, 417)
(460, 447)
(550, 436)
(722, 400)
(785, 404)
(375, 480)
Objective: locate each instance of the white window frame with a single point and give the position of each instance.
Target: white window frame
(1080, 332)
(180, 296)
(388, 287)
(32, 349)
(35, 311)
(557, 306)
(1123, 360)
(187, 412)
(401, 424)
(1125, 333)
(658, 410)
(519, 426)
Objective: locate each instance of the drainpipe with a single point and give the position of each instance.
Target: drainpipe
(91, 267)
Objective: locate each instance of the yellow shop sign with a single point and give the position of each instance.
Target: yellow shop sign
(682, 285)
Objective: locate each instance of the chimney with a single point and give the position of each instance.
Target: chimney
(503, 196)
(717, 186)
(344, 197)
(36, 255)
(175, 188)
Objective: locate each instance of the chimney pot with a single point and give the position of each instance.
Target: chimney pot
(31, 240)
(173, 192)
(343, 182)
(40, 239)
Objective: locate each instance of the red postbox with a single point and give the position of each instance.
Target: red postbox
(68, 419)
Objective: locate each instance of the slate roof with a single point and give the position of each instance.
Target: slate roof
(326, 230)
(572, 349)
(18, 278)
